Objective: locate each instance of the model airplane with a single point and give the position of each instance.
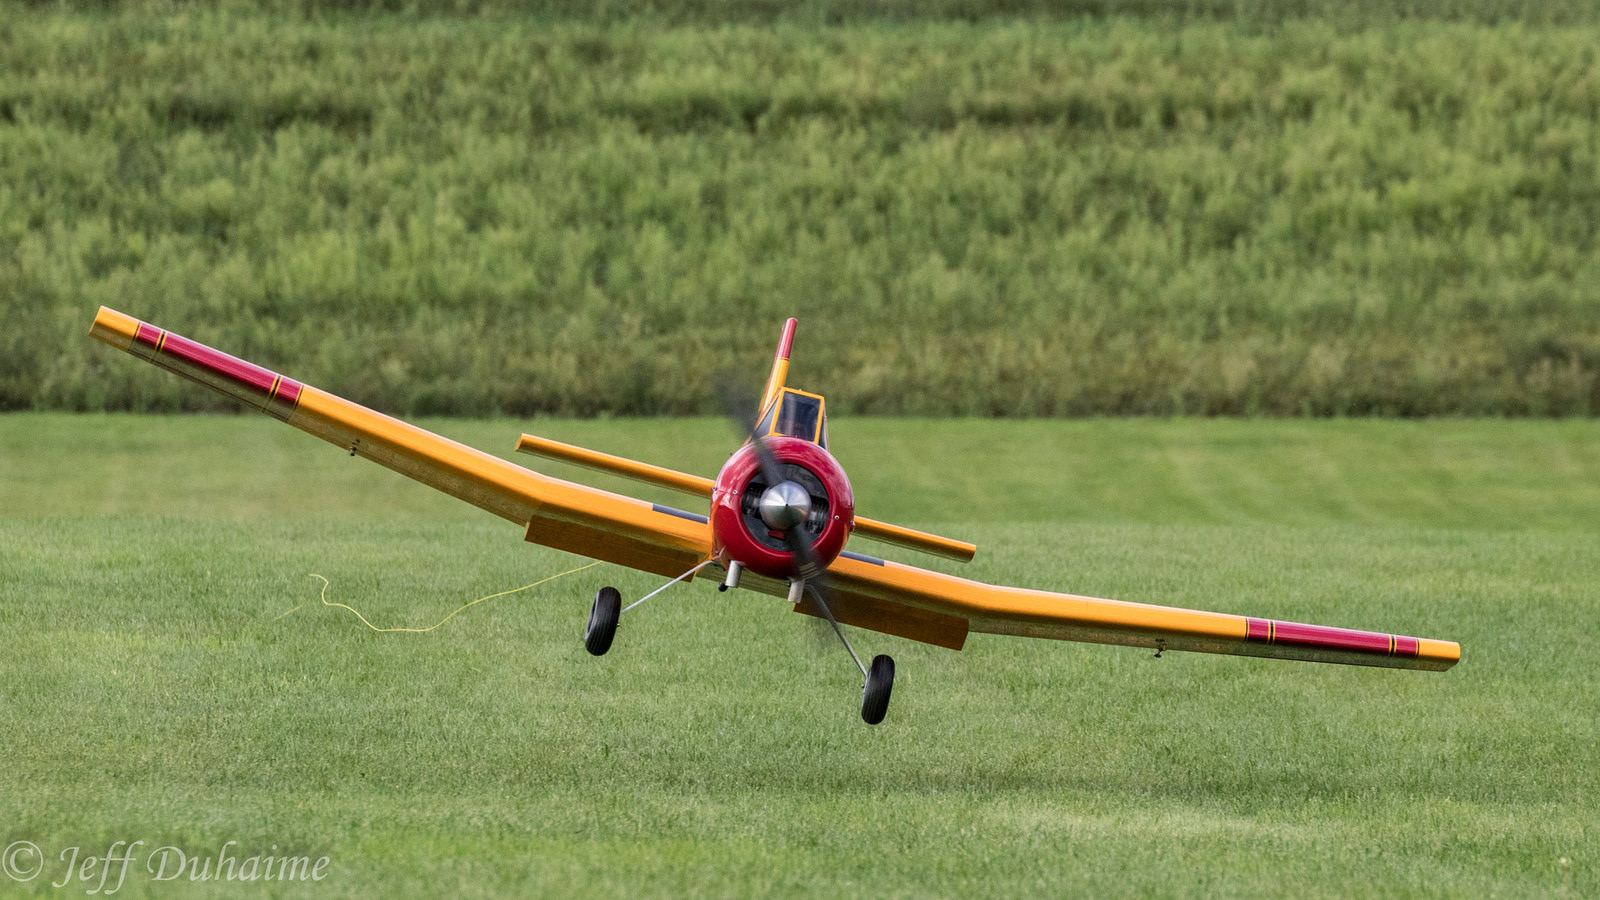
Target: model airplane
(781, 512)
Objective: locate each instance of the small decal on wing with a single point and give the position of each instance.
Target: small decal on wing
(693, 517)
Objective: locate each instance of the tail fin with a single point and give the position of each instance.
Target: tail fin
(780, 367)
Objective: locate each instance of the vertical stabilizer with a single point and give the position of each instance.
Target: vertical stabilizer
(780, 366)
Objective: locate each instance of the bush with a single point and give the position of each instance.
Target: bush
(517, 215)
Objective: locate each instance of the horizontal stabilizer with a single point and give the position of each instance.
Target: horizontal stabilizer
(615, 465)
(909, 538)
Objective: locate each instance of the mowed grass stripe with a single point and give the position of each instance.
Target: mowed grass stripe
(921, 472)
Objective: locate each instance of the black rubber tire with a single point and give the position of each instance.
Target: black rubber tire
(603, 617)
(875, 694)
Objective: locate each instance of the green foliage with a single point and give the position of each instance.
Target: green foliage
(1064, 217)
(834, 12)
(152, 689)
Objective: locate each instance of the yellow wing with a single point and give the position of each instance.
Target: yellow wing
(866, 592)
(942, 609)
(556, 513)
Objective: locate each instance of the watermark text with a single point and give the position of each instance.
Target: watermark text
(105, 873)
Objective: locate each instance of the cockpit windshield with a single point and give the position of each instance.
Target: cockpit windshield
(799, 415)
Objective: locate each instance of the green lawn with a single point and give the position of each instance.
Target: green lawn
(151, 689)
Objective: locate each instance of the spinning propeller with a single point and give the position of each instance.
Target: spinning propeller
(785, 506)
(790, 512)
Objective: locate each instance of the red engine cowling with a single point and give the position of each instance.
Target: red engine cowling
(738, 529)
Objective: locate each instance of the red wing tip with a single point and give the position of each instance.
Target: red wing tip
(1322, 637)
(233, 376)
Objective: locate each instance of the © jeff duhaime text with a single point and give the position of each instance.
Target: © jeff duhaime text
(105, 873)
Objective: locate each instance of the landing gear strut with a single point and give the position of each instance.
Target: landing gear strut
(608, 609)
(879, 679)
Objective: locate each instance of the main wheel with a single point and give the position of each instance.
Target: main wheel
(875, 695)
(603, 617)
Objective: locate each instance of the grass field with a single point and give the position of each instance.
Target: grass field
(150, 690)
